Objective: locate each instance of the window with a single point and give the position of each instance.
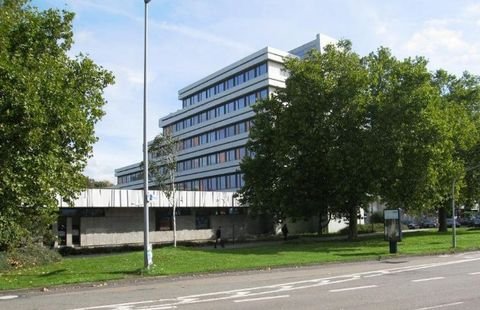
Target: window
(221, 157)
(241, 128)
(221, 133)
(203, 138)
(250, 74)
(240, 103)
(202, 219)
(222, 182)
(196, 185)
(212, 137)
(230, 107)
(212, 159)
(263, 93)
(262, 69)
(232, 181)
(231, 155)
(229, 131)
(163, 219)
(220, 110)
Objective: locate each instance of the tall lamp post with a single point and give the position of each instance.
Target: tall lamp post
(454, 224)
(148, 256)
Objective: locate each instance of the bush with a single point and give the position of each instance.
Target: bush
(28, 256)
(377, 217)
(3, 261)
(364, 229)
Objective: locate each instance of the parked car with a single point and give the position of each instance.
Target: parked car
(465, 221)
(428, 224)
(450, 222)
(413, 225)
(476, 222)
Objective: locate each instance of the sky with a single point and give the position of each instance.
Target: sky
(190, 39)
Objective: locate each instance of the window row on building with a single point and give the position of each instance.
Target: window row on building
(164, 218)
(221, 182)
(226, 84)
(217, 111)
(216, 135)
(132, 177)
(212, 159)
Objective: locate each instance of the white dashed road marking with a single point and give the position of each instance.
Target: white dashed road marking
(7, 297)
(352, 288)
(441, 306)
(474, 273)
(265, 292)
(262, 298)
(428, 279)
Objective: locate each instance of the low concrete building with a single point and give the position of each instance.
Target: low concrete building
(114, 217)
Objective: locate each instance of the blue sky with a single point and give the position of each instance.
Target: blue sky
(189, 39)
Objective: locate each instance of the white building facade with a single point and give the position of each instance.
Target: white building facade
(214, 121)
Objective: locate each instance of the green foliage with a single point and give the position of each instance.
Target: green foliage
(28, 256)
(364, 229)
(163, 164)
(308, 140)
(92, 183)
(49, 104)
(377, 217)
(347, 129)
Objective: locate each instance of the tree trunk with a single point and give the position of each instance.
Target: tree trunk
(322, 222)
(320, 227)
(442, 219)
(352, 224)
(174, 204)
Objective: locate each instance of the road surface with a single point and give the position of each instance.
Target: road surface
(415, 283)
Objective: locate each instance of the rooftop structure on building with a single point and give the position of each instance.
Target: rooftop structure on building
(213, 123)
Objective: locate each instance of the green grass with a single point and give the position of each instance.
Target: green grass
(190, 260)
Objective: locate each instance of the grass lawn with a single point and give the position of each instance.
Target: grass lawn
(189, 260)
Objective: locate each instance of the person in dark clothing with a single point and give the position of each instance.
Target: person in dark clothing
(218, 237)
(285, 231)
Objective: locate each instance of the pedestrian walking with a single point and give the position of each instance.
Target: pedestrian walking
(285, 231)
(218, 237)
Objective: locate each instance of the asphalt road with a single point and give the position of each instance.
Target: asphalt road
(415, 283)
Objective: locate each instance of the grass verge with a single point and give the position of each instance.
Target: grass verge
(188, 260)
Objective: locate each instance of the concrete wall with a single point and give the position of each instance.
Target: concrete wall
(122, 226)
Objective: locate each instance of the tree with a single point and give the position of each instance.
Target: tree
(49, 104)
(461, 98)
(163, 167)
(92, 183)
(307, 140)
(346, 129)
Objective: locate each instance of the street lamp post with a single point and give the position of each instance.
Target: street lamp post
(454, 225)
(147, 257)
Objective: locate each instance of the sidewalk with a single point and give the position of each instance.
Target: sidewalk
(250, 243)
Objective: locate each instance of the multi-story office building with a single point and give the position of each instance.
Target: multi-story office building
(213, 124)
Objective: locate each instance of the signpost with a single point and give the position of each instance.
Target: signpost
(393, 228)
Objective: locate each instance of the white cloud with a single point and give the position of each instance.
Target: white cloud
(432, 39)
(445, 48)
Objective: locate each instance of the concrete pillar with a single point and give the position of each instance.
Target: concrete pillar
(69, 232)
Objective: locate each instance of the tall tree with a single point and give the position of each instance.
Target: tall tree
(461, 102)
(49, 104)
(419, 132)
(307, 140)
(163, 167)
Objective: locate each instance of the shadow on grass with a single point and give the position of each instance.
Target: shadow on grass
(360, 254)
(52, 273)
